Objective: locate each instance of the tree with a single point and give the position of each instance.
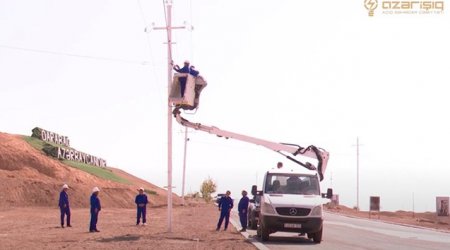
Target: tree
(208, 187)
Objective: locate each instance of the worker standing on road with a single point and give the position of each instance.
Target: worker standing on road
(225, 206)
(141, 202)
(95, 209)
(242, 209)
(64, 205)
(182, 80)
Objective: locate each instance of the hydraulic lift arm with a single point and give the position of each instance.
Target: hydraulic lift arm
(282, 148)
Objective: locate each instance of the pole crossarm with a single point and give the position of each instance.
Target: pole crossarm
(169, 28)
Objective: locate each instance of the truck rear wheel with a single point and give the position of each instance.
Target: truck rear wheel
(317, 236)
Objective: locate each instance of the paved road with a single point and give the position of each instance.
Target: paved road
(347, 233)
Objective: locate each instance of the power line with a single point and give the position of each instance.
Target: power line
(143, 63)
(191, 23)
(152, 58)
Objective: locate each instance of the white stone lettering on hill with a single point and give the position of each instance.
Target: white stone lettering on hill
(65, 152)
(51, 137)
(73, 155)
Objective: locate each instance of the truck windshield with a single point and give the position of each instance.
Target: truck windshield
(292, 184)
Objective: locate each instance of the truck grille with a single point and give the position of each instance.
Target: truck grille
(293, 211)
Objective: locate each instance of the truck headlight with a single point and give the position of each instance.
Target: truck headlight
(317, 211)
(267, 208)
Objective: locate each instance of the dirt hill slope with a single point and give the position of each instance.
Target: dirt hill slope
(30, 178)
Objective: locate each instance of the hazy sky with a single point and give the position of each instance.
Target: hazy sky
(315, 72)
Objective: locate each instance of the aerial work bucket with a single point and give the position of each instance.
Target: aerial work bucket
(193, 88)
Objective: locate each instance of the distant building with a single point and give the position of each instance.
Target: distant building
(442, 204)
(375, 203)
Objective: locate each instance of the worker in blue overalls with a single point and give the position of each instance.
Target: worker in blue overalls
(141, 202)
(193, 71)
(242, 209)
(95, 209)
(182, 80)
(225, 206)
(64, 205)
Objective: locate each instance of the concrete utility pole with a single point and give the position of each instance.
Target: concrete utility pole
(169, 28)
(186, 139)
(357, 173)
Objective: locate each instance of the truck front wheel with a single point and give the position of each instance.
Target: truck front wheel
(264, 232)
(317, 236)
(252, 221)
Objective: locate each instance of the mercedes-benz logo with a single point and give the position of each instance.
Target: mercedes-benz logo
(292, 211)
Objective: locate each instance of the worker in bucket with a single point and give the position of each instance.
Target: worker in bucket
(193, 71)
(242, 209)
(182, 80)
(225, 206)
(141, 202)
(64, 205)
(95, 209)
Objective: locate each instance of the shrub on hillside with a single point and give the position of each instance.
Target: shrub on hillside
(207, 188)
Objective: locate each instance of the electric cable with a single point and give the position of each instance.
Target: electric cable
(143, 63)
(152, 57)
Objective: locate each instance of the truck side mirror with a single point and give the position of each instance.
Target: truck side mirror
(329, 194)
(254, 190)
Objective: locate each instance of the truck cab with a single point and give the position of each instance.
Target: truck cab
(291, 201)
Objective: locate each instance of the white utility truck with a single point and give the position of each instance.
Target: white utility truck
(291, 201)
(290, 198)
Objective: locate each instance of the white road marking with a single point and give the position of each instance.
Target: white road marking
(408, 233)
(256, 243)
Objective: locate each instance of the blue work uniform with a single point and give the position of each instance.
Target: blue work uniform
(242, 209)
(193, 72)
(225, 206)
(141, 202)
(182, 80)
(95, 209)
(64, 207)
